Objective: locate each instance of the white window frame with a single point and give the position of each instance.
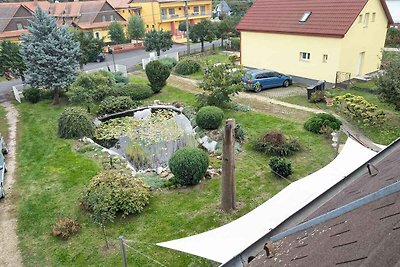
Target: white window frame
(325, 58)
(112, 17)
(305, 56)
(305, 16)
(373, 17)
(360, 18)
(20, 26)
(366, 20)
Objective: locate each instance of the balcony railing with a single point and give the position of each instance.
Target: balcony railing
(182, 16)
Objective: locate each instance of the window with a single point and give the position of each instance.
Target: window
(373, 17)
(111, 17)
(103, 18)
(360, 18)
(163, 13)
(305, 16)
(325, 58)
(171, 11)
(19, 26)
(97, 34)
(202, 10)
(366, 20)
(195, 9)
(304, 56)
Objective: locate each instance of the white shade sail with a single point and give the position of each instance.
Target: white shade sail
(225, 242)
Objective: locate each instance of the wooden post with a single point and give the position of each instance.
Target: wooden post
(228, 167)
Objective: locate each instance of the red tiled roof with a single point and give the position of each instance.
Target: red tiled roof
(329, 17)
(12, 33)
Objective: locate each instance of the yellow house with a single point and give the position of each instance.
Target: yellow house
(90, 16)
(315, 39)
(167, 15)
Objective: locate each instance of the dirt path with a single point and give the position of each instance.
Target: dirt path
(9, 252)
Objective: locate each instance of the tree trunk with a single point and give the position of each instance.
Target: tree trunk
(202, 46)
(158, 52)
(105, 236)
(56, 98)
(222, 41)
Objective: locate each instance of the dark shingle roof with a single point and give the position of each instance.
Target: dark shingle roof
(329, 18)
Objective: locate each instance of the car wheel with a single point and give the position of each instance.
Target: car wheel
(286, 83)
(98, 60)
(257, 87)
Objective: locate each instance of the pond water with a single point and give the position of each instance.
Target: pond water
(148, 137)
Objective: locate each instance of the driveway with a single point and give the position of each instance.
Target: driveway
(282, 92)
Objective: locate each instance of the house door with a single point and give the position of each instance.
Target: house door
(360, 63)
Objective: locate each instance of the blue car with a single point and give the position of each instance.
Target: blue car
(256, 80)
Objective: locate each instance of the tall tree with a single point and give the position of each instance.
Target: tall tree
(50, 53)
(135, 28)
(201, 32)
(116, 32)
(389, 82)
(11, 62)
(90, 47)
(157, 41)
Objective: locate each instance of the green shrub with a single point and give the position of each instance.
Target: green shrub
(114, 104)
(187, 66)
(315, 123)
(189, 165)
(33, 95)
(136, 91)
(276, 144)
(280, 166)
(169, 62)
(360, 110)
(235, 44)
(96, 86)
(121, 193)
(209, 117)
(120, 78)
(65, 228)
(75, 123)
(157, 74)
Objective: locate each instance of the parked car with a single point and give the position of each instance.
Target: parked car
(101, 57)
(3, 168)
(256, 80)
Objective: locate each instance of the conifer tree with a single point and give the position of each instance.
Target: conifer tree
(50, 53)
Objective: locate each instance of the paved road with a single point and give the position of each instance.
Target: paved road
(128, 59)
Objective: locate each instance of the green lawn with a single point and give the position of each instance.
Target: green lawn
(383, 134)
(3, 123)
(52, 176)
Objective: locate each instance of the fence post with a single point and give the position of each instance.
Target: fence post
(121, 242)
(228, 167)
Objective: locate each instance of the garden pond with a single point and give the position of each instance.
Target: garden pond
(146, 137)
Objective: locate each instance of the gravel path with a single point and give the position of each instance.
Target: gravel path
(9, 252)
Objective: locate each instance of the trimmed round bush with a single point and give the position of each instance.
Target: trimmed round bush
(31, 94)
(113, 104)
(136, 91)
(209, 117)
(189, 165)
(168, 62)
(157, 74)
(280, 166)
(75, 122)
(117, 192)
(187, 66)
(316, 122)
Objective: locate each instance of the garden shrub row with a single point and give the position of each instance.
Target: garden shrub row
(187, 67)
